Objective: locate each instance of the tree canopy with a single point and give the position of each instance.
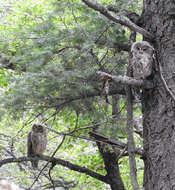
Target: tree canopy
(53, 55)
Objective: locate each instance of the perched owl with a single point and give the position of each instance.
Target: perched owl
(36, 142)
(141, 60)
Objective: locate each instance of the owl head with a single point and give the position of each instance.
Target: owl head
(142, 47)
(38, 128)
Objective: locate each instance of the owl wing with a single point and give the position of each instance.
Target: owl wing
(136, 66)
(43, 143)
(29, 145)
(35, 138)
(130, 66)
(147, 70)
(140, 65)
(38, 143)
(30, 151)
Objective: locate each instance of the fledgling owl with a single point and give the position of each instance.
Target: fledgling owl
(36, 142)
(141, 59)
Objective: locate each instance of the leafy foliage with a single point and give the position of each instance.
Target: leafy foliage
(53, 50)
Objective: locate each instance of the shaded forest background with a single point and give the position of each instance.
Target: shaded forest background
(50, 52)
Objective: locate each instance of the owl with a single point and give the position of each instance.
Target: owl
(36, 142)
(141, 60)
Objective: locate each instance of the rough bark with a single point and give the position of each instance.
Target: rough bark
(112, 167)
(158, 105)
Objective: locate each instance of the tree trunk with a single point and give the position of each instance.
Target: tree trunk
(158, 105)
(112, 167)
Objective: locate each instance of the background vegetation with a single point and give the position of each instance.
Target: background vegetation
(49, 54)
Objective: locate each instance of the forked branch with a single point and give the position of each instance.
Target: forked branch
(118, 18)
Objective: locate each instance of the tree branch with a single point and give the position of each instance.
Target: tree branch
(98, 138)
(118, 19)
(11, 154)
(60, 102)
(128, 80)
(130, 138)
(131, 15)
(114, 142)
(119, 46)
(59, 162)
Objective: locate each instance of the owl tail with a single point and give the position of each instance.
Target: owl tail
(35, 164)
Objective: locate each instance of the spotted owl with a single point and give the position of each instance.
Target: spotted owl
(36, 142)
(141, 60)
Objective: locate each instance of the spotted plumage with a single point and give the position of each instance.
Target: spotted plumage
(141, 59)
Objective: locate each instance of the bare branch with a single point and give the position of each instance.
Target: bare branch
(11, 154)
(114, 142)
(131, 145)
(128, 80)
(131, 15)
(120, 46)
(59, 162)
(118, 19)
